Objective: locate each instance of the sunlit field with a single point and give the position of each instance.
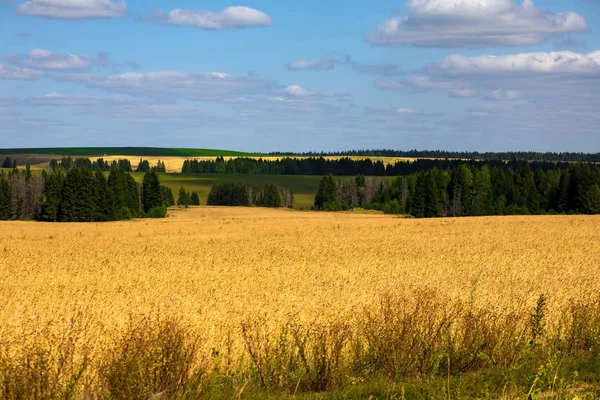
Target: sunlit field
(216, 267)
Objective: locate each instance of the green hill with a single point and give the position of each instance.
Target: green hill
(129, 151)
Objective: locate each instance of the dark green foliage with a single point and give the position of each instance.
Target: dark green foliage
(194, 199)
(151, 191)
(349, 167)
(464, 191)
(327, 194)
(269, 197)
(228, 194)
(7, 163)
(166, 194)
(160, 167)
(78, 201)
(124, 195)
(143, 166)
(102, 197)
(5, 205)
(157, 212)
(53, 184)
(184, 198)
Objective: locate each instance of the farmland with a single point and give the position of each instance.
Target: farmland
(216, 268)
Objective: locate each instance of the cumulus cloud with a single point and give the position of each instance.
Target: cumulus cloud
(47, 60)
(10, 72)
(475, 23)
(314, 65)
(563, 63)
(173, 84)
(230, 18)
(328, 64)
(71, 9)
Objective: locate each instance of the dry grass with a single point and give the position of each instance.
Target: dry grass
(216, 266)
(236, 276)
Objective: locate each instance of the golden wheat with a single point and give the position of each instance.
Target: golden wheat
(216, 266)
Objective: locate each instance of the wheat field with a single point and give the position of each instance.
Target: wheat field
(216, 266)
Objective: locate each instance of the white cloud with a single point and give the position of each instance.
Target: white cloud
(464, 93)
(9, 72)
(314, 65)
(55, 99)
(47, 60)
(503, 95)
(475, 23)
(73, 9)
(230, 18)
(298, 91)
(173, 84)
(390, 85)
(396, 112)
(562, 62)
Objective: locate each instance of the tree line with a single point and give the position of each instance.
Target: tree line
(485, 156)
(470, 191)
(81, 195)
(347, 166)
(124, 165)
(236, 194)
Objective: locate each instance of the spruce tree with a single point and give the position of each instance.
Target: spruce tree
(166, 195)
(101, 195)
(5, 204)
(184, 198)
(7, 163)
(78, 202)
(151, 192)
(270, 196)
(195, 199)
(53, 185)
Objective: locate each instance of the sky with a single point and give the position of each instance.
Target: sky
(311, 75)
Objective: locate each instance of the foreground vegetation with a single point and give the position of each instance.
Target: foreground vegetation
(422, 346)
(221, 302)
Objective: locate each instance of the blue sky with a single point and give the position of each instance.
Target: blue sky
(487, 75)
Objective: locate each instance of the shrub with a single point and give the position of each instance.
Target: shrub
(157, 212)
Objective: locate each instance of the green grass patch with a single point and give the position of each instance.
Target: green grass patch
(127, 151)
(304, 187)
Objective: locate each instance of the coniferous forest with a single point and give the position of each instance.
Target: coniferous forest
(470, 191)
(347, 167)
(79, 194)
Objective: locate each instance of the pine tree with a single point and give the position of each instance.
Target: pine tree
(194, 199)
(184, 198)
(7, 163)
(78, 202)
(101, 195)
(151, 192)
(270, 196)
(166, 195)
(5, 204)
(53, 184)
